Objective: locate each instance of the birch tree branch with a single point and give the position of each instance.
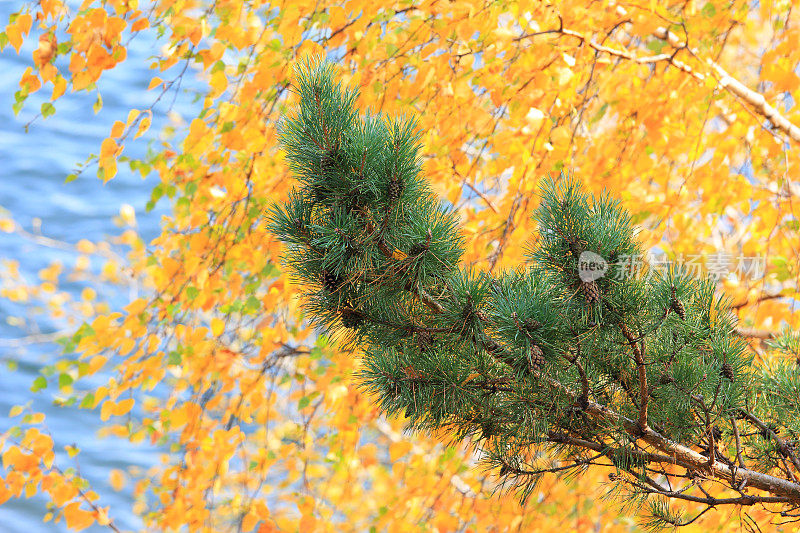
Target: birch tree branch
(753, 100)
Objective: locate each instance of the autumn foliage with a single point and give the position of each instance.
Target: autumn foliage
(685, 111)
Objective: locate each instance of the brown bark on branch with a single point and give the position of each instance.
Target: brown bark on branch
(684, 456)
(644, 391)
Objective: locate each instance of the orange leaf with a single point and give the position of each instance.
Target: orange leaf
(398, 450)
(59, 86)
(76, 517)
(308, 523)
(140, 24)
(108, 148)
(117, 129)
(123, 407)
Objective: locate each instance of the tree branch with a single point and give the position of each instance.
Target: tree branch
(754, 100)
(683, 455)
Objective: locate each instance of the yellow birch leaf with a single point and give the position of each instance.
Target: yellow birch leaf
(59, 86)
(105, 410)
(132, 114)
(123, 407)
(117, 479)
(217, 326)
(144, 125)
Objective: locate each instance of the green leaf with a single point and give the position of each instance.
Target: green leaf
(174, 358)
(38, 384)
(65, 380)
(98, 104)
(600, 113)
(48, 109)
(304, 402)
(219, 65)
(656, 45)
(88, 401)
(70, 177)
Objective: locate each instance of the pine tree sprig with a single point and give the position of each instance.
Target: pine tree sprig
(577, 360)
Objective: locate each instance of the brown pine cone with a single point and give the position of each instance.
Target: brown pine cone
(666, 378)
(424, 340)
(676, 305)
(727, 371)
(351, 318)
(330, 281)
(395, 188)
(591, 291)
(531, 324)
(536, 358)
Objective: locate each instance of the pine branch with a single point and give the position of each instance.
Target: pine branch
(551, 360)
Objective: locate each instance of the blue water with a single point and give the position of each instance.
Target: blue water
(33, 167)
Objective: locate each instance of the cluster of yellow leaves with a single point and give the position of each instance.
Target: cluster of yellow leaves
(265, 424)
(28, 460)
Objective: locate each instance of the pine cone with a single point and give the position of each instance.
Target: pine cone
(351, 318)
(536, 358)
(677, 306)
(727, 371)
(591, 291)
(330, 281)
(395, 188)
(531, 324)
(666, 378)
(424, 340)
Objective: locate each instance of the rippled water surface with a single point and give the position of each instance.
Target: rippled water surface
(33, 167)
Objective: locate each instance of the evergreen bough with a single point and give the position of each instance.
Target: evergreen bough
(547, 368)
